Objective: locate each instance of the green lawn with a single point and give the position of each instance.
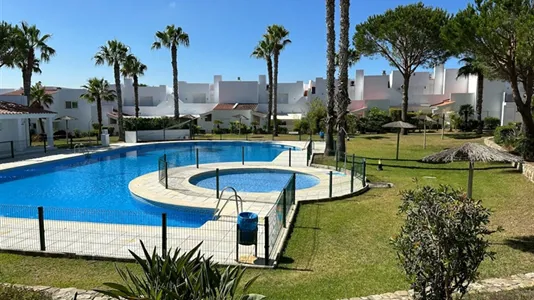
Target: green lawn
(341, 249)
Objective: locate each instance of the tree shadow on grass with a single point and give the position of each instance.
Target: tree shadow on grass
(463, 136)
(523, 243)
(374, 137)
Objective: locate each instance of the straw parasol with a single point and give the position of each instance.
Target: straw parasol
(401, 125)
(471, 152)
(425, 119)
(66, 119)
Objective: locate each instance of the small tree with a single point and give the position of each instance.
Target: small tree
(316, 115)
(442, 242)
(466, 111)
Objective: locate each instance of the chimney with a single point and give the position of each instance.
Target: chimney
(383, 72)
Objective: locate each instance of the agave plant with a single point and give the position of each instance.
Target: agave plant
(179, 275)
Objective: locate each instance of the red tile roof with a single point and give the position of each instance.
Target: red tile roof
(48, 90)
(443, 103)
(235, 106)
(10, 108)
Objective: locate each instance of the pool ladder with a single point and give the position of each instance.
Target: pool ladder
(235, 196)
(82, 149)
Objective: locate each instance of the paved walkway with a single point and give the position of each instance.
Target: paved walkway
(484, 286)
(492, 285)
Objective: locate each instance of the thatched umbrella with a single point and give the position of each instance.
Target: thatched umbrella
(425, 119)
(471, 152)
(401, 125)
(66, 119)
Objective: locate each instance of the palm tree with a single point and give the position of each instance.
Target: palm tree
(7, 43)
(171, 38)
(472, 67)
(114, 53)
(343, 99)
(97, 91)
(264, 50)
(354, 57)
(466, 111)
(277, 35)
(134, 68)
(32, 48)
(330, 76)
(40, 99)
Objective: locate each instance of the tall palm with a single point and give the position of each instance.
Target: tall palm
(40, 99)
(7, 43)
(343, 99)
(330, 75)
(264, 50)
(278, 36)
(32, 48)
(171, 38)
(97, 91)
(114, 53)
(472, 67)
(134, 68)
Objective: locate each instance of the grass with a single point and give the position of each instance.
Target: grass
(341, 249)
(519, 294)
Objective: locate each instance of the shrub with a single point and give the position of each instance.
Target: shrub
(352, 123)
(179, 275)
(95, 126)
(93, 132)
(302, 125)
(77, 133)
(283, 130)
(442, 242)
(11, 293)
(505, 135)
(490, 123)
(132, 124)
(375, 119)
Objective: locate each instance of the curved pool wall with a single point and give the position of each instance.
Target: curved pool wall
(253, 180)
(70, 189)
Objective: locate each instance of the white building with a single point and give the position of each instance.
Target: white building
(230, 100)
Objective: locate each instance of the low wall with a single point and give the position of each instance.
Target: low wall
(528, 168)
(156, 135)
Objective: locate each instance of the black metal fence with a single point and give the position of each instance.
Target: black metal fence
(38, 144)
(309, 152)
(94, 233)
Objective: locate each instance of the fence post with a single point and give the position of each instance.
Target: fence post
(242, 155)
(330, 186)
(294, 188)
(40, 212)
(337, 159)
(163, 235)
(12, 150)
(300, 137)
(352, 178)
(284, 206)
(217, 181)
(164, 137)
(197, 156)
(166, 171)
(266, 231)
(44, 143)
(290, 157)
(364, 167)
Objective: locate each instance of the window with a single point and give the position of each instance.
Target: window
(207, 118)
(71, 104)
(313, 90)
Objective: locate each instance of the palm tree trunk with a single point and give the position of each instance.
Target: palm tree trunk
(404, 113)
(275, 92)
(116, 69)
(99, 115)
(330, 76)
(174, 62)
(343, 94)
(136, 95)
(480, 92)
(270, 75)
(41, 124)
(27, 84)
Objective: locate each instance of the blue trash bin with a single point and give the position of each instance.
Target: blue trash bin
(247, 223)
(321, 134)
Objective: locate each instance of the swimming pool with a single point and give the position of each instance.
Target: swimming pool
(95, 189)
(254, 180)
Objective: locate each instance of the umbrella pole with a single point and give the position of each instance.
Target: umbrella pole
(398, 140)
(470, 180)
(443, 126)
(424, 134)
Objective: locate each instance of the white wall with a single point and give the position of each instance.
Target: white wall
(82, 113)
(238, 92)
(194, 92)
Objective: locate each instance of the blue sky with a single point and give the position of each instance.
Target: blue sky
(222, 33)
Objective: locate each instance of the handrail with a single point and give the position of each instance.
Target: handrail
(237, 197)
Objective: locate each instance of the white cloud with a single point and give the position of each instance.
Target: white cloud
(172, 4)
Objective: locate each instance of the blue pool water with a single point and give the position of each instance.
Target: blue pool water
(95, 189)
(254, 180)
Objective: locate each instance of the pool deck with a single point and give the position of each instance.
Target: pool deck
(218, 236)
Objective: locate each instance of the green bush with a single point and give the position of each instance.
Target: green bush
(443, 241)
(77, 133)
(93, 132)
(490, 123)
(110, 129)
(133, 124)
(505, 135)
(180, 275)
(17, 293)
(95, 126)
(375, 119)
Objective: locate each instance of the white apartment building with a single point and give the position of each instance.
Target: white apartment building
(229, 100)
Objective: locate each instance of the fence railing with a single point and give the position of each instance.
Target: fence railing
(39, 144)
(111, 233)
(353, 165)
(309, 151)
